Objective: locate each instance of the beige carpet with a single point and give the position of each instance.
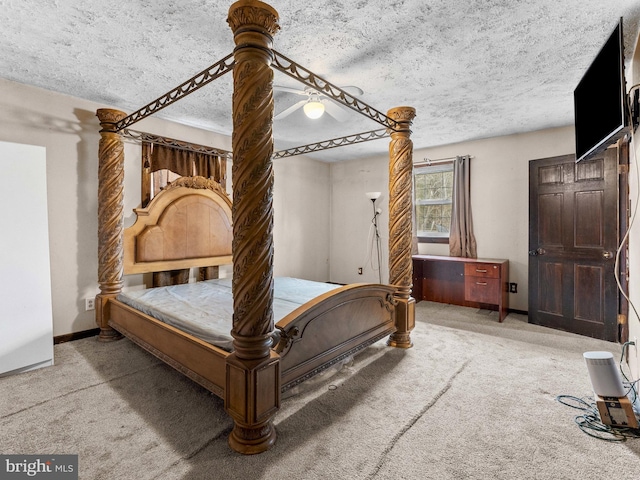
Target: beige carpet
(472, 399)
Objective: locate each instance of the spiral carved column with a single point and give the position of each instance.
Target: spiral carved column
(110, 217)
(253, 370)
(400, 224)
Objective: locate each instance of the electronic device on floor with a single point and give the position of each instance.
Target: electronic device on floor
(614, 406)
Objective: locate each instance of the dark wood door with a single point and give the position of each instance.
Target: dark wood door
(573, 237)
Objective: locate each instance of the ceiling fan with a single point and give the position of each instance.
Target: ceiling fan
(316, 103)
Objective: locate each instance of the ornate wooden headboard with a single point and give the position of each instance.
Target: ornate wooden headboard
(186, 225)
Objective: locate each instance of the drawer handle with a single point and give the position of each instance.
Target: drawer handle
(481, 271)
(481, 283)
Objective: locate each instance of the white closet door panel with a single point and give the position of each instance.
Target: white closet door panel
(26, 319)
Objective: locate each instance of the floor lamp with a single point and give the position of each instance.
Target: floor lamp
(373, 196)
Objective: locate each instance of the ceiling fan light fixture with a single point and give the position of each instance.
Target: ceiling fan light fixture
(313, 109)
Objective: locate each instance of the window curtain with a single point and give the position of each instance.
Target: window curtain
(187, 163)
(462, 242)
(163, 164)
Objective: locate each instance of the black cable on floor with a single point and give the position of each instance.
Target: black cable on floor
(589, 421)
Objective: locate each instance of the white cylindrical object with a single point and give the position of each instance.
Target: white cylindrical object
(605, 377)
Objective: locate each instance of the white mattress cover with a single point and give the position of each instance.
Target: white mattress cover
(205, 309)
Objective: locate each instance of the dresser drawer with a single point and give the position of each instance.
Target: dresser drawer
(482, 290)
(488, 270)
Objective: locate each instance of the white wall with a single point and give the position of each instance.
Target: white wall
(68, 128)
(634, 234)
(301, 217)
(69, 134)
(634, 261)
(351, 215)
(499, 197)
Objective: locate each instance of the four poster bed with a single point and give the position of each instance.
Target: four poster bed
(250, 337)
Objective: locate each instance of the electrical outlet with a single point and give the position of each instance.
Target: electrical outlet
(513, 288)
(89, 304)
(359, 270)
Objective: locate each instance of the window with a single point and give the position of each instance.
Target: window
(433, 189)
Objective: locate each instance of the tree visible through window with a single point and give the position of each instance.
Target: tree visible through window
(433, 189)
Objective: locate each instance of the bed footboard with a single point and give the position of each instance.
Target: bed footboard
(332, 327)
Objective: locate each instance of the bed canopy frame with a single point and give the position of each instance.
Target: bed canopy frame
(252, 395)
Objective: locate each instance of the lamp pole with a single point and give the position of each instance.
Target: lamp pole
(375, 223)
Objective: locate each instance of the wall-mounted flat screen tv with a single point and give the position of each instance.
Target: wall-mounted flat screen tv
(600, 100)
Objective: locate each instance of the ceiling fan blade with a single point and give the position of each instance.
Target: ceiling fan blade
(290, 110)
(338, 112)
(297, 91)
(353, 90)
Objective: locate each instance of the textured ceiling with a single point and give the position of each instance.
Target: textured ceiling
(471, 68)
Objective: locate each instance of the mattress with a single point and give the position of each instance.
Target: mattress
(205, 309)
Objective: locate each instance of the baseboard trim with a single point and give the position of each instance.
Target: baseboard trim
(69, 337)
(521, 312)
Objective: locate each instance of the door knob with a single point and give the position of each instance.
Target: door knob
(607, 254)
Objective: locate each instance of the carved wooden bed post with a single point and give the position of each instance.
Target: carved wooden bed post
(253, 371)
(110, 217)
(400, 223)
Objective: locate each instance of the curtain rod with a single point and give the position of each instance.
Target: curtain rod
(428, 161)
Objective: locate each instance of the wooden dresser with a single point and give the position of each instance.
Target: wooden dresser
(470, 282)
